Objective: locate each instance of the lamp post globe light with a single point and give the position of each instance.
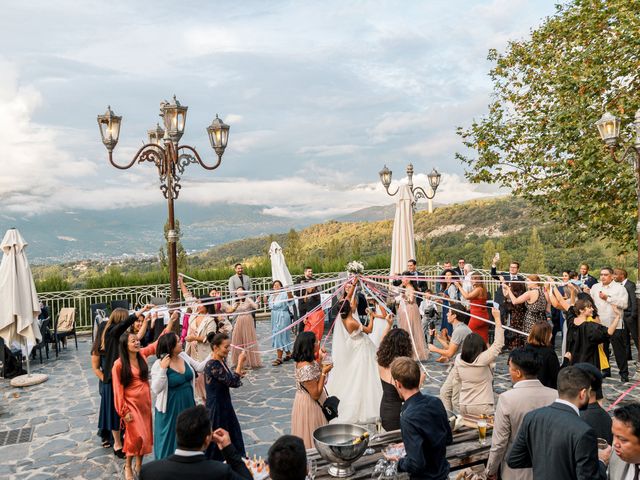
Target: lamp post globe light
(163, 150)
(609, 130)
(418, 192)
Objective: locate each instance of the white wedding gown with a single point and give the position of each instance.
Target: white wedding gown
(354, 378)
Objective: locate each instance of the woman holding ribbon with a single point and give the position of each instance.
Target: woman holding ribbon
(279, 303)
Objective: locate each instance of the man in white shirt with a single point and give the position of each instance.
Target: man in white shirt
(608, 294)
(466, 283)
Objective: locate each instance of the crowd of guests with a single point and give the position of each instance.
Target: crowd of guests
(191, 379)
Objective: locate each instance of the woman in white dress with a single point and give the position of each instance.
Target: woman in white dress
(354, 378)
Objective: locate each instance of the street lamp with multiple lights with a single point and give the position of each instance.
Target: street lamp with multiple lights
(418, 192)
(170, 158)
(609, 129)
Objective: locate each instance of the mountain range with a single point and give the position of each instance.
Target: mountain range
(136, 232)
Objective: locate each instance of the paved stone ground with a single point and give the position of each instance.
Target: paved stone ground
(64, 414)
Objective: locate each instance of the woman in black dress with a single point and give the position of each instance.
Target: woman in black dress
(396, 343)
(584, 330)
(218, 379)
(539, 342)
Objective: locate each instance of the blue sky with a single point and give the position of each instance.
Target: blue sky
(319, 95)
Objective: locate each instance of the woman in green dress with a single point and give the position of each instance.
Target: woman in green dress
(172, 381)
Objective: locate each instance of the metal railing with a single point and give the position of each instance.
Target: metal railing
(137, 296)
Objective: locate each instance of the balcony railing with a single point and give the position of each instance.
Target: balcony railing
(139, 295)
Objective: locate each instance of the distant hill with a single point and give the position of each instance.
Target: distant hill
(465, 229)
(379, 212)
(474, 230)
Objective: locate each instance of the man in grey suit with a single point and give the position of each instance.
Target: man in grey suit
(527, 395)
(555, 441)
(239, 280)
(625, 458)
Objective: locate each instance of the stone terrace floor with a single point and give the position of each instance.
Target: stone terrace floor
(64, 412)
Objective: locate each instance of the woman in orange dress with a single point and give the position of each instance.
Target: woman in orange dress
(132, 397)
(477, 307)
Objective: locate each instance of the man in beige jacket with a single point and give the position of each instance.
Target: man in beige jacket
(527, 394)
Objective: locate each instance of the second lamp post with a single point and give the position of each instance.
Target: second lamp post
(418, 192)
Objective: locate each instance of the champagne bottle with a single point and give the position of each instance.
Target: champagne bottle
(356, 440)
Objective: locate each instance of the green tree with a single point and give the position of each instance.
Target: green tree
(538, 137)
(293, 250)
(356, 248)
(181, 254)
(534, 258)
(488, 252)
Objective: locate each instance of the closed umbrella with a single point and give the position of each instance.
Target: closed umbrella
(19, 305)
(402, 242)
(279, 270)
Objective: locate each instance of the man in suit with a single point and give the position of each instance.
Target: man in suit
(555, 441)
(287, 459)
(423, 424)
(624, 463)
(527, 395)
(241, 280)
(193, 436)
(596, 416)
(586, 279)
(508, 310)
(460, 268)
(630, 314)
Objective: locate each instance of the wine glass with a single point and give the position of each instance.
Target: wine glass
(371, 428)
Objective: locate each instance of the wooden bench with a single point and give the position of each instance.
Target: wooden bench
(465, 452)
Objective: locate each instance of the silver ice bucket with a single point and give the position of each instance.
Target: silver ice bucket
(334, 444)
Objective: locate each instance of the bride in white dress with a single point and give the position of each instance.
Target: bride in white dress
(354, 378)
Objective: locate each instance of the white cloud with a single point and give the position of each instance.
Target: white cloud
(34, 165)
(66, 239)
(330, 150)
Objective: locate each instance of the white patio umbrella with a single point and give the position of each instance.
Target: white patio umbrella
(402, 243)
(279, 270)
(19, 305)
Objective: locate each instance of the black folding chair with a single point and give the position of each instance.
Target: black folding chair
(123, 303)
(45, 331)
(69, 328)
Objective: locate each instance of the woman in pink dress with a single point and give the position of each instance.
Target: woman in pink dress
(244, 331)
(306, 414)
(410, 320)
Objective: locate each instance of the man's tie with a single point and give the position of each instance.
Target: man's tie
(637, 475)
(241, 282)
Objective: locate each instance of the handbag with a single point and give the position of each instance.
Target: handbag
(329, 407)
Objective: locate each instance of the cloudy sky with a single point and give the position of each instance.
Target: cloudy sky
(319, 95)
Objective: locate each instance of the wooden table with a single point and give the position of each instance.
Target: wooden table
(464, 452)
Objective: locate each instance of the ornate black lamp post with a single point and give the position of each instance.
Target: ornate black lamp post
(170, 159)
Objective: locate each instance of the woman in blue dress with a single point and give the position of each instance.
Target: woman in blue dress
(218, 378)
(279, 303)
(173, 383)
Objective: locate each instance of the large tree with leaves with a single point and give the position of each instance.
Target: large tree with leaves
(538, 137)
